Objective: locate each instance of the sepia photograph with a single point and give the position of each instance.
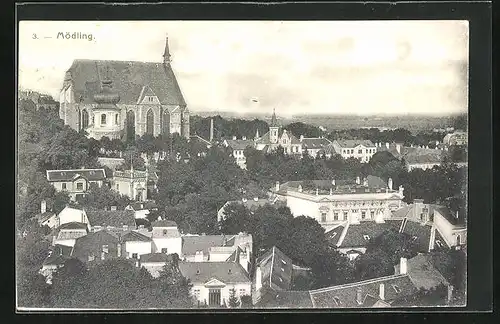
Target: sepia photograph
(258, 165)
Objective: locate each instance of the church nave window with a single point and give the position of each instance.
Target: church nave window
(116, 119)
(103, 119)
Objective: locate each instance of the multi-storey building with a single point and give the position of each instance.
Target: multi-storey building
(456, 138)
(145, 98)
(278, 137)
(333, 202)
(76, 182)
(362, 150)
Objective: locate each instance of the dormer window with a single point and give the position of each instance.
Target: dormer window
(197, 272)
(105, 249)
(414, 238)
(337, 301)
(103, 119)
(283, 269)
(333, 234)
(229, 271)
(438, 243)
(366, 237)
(396, 289)
(283, 261)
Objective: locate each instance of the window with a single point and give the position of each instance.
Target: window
(372, 214)
(151, 99)
(335, 216)
(117, 187)
(345, 215)
(93, 119)
(105, 249)
(116, 119)
(396, 289)
(352, 151)
(323, 217)
(198, 271)
(344, 151)
(333, 234)
(63, 186)
(243, 292)
(91, 257)
(283, 261)
(79, 186)
(438, 243)
(196, 293)
(366, 237)
(414, 238)
(360, 151)
(284, 141)
(337, 300)
(164, 232)
(103, 119)
(363, 215)
(134, 255)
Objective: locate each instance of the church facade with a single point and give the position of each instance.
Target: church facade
(150, 99)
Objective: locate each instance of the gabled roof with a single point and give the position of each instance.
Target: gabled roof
(333, 236)
(344, 296)
(421, 233)
(156, 258)
(422, 272)
(345, 143)
(284, 299)
(128, 77)
(265, 139)
(143, 205)
(276, 269)
(315, 142)
(133, 236)
(202, 272)
(446, 213)
(92, 243)
(115, 218)
(69, 175)
(192, 244)
(44, 216)
(355, 234)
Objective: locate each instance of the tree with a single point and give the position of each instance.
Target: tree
(435, 296)
(394, 245)
(233, 301)
(246, 301)
(299, 128)
(103, 197)
(373, 265)
(38, 189)
(236, 219)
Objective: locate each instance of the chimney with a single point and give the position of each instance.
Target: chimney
(234, 137)
(381, 291)
(300, 188)
(389, 184)
(359, 296)
(102, 255)
(258, 278)
(118, 250)
(277, 185)
(387, 145)
(358, 180)
(43, 206)
(365, 182)
(333, 182)
(137, 263)
(244, 138)
(301, 138)
(113, 207)
(256, 199)
(398, 148)
(211, 129)
(403, 266)
(450, 294)
(331, 191)
(317, 191)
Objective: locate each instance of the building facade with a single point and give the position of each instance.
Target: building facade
(131, 183)
(278, 137)
(334, 202)
(75, 182)
(146, 98)
(456, 138)
(362, 150)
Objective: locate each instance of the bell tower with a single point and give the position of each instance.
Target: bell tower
(166, 53)
(273, 129)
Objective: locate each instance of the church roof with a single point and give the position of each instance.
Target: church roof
(128, 77)
(265, 139)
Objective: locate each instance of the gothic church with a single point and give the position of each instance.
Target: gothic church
(123, 99)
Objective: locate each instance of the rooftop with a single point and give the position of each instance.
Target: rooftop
(156, 258)
(133, 236)
(265, 139)
(345, 143)
(72, 226)
(358, 235)
(192, 244)
(92, 243)
(202, 272)
(276, 269)
(70, 175)
(422, 273)
(164, 223)
(239, 144)
(315, 142)
(114, 218)
(284, 299)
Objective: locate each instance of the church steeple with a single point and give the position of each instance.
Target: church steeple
(274, 121)
(166, 54)
(274, 128)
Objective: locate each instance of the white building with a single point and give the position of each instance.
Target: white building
(205, 248)
(72, 214)
(131, 183)
(334, 202)
(67, 233)
(166, 237)
(136, 244)
(315, 145)
(75, 182)
(237, 148)
(362, 150)
(213, 281)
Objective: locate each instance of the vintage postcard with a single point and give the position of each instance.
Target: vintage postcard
(242, 164)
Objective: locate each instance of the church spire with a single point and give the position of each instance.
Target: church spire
(274, 121)
(166, 54)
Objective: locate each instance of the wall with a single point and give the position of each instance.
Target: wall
(68, 242)
(448, 231)
(173, 245)
(225, 291)
(214, 257)
(137, 247)
(154, 268)
(68, 215)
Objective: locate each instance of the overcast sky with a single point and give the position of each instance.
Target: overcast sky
(337, 67)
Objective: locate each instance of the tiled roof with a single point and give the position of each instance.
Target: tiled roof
(234, 257)
(422, 159)
(334, 235)
(192, 244)
(344, 296)
(284, 299)
(44, 216)
(92, 243)
(422, 273)
(164, 223)
(240, 144)
(129, 78)
(421, 233)
(438, 237)
(72, 226)
(354, 236)
(202, 272)
(61, 250)
(55, 259)
(446, 213)
(133, 236)
(276, 270)
(69, 175)
(156, 258)
(143, 205)
(315, 142)
(116, 218)
(353, 143)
